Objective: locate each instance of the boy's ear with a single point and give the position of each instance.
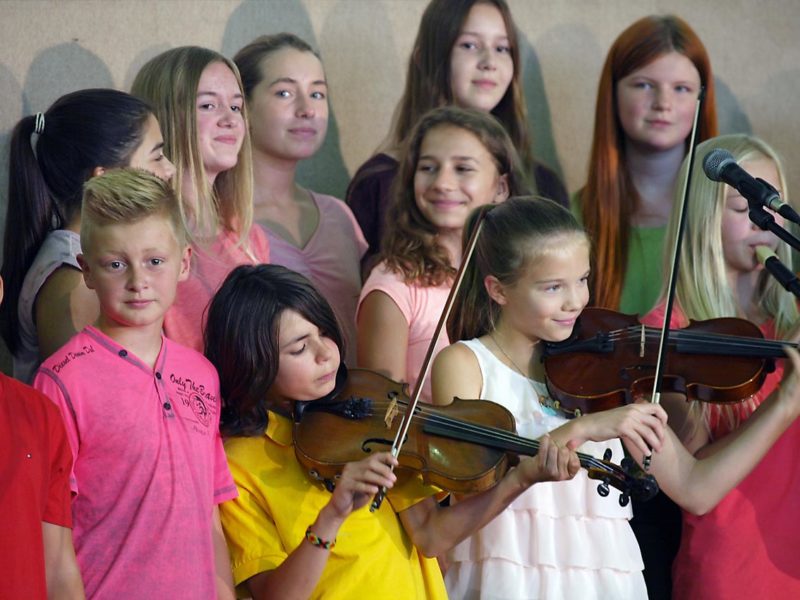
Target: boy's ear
(87, 272)
(1, 290)
(97, 171)
(503, 190)
(186, 263)
(495, 289)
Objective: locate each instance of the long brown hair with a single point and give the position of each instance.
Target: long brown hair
(410, 247)
(428, 83)
(609, 198)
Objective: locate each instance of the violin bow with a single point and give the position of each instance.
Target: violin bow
(402, 432)
(673, 275)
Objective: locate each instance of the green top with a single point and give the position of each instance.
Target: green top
(644, 273)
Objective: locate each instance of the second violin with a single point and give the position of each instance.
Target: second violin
(610, 361)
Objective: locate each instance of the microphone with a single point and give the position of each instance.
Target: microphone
(779, 271)
(719, 165)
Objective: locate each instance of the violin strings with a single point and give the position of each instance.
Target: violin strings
(494, 433)
(708, 341)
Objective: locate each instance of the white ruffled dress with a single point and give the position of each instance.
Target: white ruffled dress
(557, 540)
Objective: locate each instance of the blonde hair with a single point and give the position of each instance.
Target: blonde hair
(169, 83)
(128, 195)
(703, 290)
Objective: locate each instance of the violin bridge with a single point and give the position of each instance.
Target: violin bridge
(391, 413)
(641, 343)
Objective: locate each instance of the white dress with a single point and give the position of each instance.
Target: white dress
(557, 540)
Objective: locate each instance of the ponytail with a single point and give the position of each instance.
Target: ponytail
(79, 132)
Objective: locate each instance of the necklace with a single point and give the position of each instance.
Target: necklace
(544, 399)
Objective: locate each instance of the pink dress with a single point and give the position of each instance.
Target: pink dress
(185, 320)
(747, 547)
(331, 260)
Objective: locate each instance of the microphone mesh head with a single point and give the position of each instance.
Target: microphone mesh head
(715, 161)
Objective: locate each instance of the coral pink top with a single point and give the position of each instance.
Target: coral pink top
(421, 306)
(747, 547)
(186, 318)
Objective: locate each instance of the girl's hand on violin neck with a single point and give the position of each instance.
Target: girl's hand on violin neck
(360, 481)
(551, 463)
(641, 425)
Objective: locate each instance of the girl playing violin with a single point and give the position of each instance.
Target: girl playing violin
(527, 282)
(275, 341)
(745, 547)
(455, 160)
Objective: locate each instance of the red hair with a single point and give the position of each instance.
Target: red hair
(609, 198)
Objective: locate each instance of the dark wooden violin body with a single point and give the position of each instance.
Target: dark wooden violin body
(610, 361)
(465, 448)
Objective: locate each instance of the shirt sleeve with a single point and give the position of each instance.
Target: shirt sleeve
(47, 383)
(383, 280)
(58, 509)
(253, 540)
(224, 487)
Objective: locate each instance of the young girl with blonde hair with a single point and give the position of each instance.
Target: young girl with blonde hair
(466, 54)
(746, 546)
(455, 160)
(311, 233)
(527, 284)
(197, 95)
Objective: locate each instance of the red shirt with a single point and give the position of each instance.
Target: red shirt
(35, 463)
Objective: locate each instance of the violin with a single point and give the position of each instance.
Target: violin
(465, 447)
(610, 360)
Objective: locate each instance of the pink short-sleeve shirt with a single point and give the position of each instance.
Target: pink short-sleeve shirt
(148, 465)
(421, 307)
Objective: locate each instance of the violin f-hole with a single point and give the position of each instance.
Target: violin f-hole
(378, 441)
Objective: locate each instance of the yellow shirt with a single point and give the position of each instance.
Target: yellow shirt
(278, 501)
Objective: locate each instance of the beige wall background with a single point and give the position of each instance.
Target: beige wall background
(51, 47)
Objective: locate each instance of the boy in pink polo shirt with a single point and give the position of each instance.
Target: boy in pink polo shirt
(141, 411)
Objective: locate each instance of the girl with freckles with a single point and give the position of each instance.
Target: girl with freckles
(646, 101)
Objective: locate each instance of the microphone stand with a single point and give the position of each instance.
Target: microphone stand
(766, 221)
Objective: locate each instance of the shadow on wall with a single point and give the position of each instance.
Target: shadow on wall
(138, 62)
(539, 117)
(325, 172)
(368, 62)
(730, 116)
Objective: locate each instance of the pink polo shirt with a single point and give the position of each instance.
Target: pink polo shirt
(148, 465)
(186, 318)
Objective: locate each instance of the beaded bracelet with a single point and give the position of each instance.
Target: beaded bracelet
(317, 541)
